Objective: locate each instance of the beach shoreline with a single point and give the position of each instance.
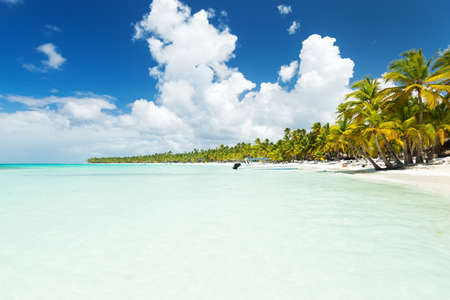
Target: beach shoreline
(433, 178)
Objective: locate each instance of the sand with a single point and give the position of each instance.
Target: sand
(433, 178)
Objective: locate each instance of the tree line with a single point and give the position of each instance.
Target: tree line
(392, 127)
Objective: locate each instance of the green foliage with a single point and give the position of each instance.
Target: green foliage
(297, 144)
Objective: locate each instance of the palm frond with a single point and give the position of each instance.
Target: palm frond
(438, 77)
(431, 98)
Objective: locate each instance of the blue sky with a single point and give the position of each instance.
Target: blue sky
(98, 56)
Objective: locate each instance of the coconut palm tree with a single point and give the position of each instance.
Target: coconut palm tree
(364, 91)
(371, 129)
(438, 126)
(344, 135)
(442, 63)
(412, 77)
(403, 119)
(442, 66)
(364, 107)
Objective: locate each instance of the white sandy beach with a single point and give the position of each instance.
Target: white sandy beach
(434, 178)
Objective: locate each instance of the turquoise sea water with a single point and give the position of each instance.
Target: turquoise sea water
(208, 232)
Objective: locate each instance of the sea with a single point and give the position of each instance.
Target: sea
(192, 231)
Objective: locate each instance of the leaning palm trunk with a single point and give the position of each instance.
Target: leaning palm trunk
(383, 157)
(406, 153)
(410, 157)
(391, 150)
(364, 154)
(374, 164)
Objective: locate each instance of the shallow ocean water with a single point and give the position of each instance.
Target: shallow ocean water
(208, 232)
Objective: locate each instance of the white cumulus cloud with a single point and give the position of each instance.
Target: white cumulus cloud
(54, 59)
(288, 71)
(295, 26)
(284, 9)
(201, 100)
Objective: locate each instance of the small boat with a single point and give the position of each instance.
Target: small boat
(236, 166)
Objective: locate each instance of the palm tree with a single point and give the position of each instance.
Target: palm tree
(438, 126)
(404, 121)
(371, 129)
(363, 106)
(412, 77)
(442, 63)
(364, 91)
(345, 135)
(442, 66)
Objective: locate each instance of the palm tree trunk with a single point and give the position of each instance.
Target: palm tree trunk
(406, 154)
(419, 157)
(410, 157)
(363, 153)
(391, 150)
(434, 149)
(413, 148)
(419, 151)
(380, 152)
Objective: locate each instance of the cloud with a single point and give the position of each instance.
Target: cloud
(211, 13)
(54, 91)
(54, 60)
(217, 103)
(49, 136)
(52, 28)
(33, 68)
(284, 9)
(11, 1)
(293, 28)
(74, 108)
(200, 102)
(89, 94)
(70, 129)
(383, 84)
(288, 71)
